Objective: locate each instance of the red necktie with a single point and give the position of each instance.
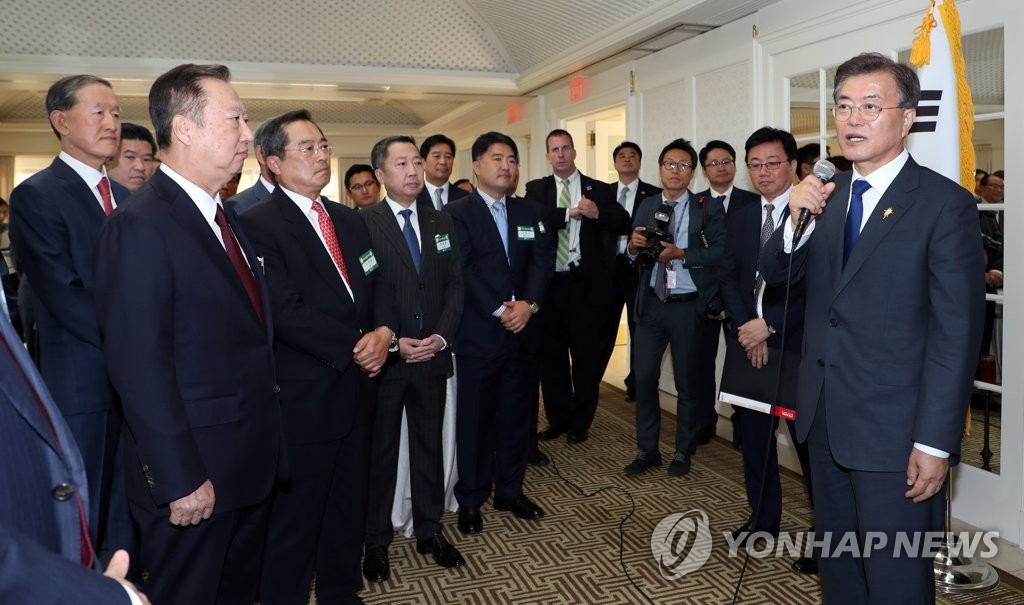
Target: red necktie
(108, 202)
(331, 238)
(87, 555)
(235, 255)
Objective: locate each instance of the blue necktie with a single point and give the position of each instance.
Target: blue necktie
(498, 210)
(410, 238)
(854, 217)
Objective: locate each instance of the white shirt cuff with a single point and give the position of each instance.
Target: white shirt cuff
(787, 236)
(497, 312)
(131, 595)
(931, 450)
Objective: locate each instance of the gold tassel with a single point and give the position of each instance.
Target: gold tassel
(921, 50)
(951, 17)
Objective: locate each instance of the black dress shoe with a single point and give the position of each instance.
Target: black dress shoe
(705, 434)
(470, 521)
(576, 436)
(537, 458)
(680, 465)
(521, 506)
(443, 552)
(552, 432)
(630, 395)
(643, 462)
(748, 534)
(376, 567)
(805, 565)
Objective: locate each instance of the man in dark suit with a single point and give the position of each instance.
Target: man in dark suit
(418, 254)
(895, 299)
(758, 317)
(991, 188)
(333, 318)
(362, 186)
(630, 191)
(264, 186)
(56, 217)
(187, 334)
(718, 161)
(506, 268)
(678, 281)
(438, 153)
(587, 221)
(44, 538)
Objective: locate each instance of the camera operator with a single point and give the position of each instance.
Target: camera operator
(680, 238)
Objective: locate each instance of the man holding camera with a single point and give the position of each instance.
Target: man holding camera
(679, 239)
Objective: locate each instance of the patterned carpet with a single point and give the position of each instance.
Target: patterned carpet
(572, 555)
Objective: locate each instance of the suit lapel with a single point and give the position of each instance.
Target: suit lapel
(18, 390)
(393, 234)
(192, 222)
(899, 198)
(303, 233)
(77, 190)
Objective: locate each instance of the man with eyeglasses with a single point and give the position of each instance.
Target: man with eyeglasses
(761, 318)
(895, 300)
(673, 295)
(586, 223)
(629, 191)
(264, 186)
(362, 185)
(335, 320)
(718, 161)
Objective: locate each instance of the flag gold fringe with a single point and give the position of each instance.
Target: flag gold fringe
(920, 55)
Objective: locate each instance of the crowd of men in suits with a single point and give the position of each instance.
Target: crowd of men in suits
(234, 372)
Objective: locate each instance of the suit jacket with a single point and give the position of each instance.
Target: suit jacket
(700, 261)
(40, 537)
(991, 227)
(490, 278)
(738, 199)
(243, 200)
(188, 353)
(429, 302)
(454, 193)
(890, 341)
(316, 321)
(55, 222)
(598, 237)
(739, 270)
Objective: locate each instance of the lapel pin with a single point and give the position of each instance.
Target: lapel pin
(887, 213)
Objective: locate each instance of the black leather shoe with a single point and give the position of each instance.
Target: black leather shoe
(470, 521)
(552, 432)
(747, 534)
(737, 440)
(643, 462)
(630, 395)
(521, 506)
(537, 458)
(705, 434)
(680, 465)
(376, 567)
(805, 565)
(576, 436)
(443, 552)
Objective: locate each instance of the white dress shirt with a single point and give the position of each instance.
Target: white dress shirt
(91, 176)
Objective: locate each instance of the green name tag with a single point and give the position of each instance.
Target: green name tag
(525, 232)
(443, 243)
(368, 261)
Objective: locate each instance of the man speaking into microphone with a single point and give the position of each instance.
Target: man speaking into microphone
(894, 293)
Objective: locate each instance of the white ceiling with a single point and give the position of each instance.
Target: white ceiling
(364, 64)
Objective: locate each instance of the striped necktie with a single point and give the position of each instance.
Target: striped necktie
(564, 201)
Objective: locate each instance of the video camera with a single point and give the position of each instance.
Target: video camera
(655, 234)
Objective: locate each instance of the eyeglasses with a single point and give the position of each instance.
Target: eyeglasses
(769, 166)
(680, 166)
(714, 163)
(361, 186)
(868, 111)
(311, 149)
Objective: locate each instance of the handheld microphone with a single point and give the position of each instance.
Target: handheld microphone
(824, 170)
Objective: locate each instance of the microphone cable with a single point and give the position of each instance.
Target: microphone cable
(771, 415)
